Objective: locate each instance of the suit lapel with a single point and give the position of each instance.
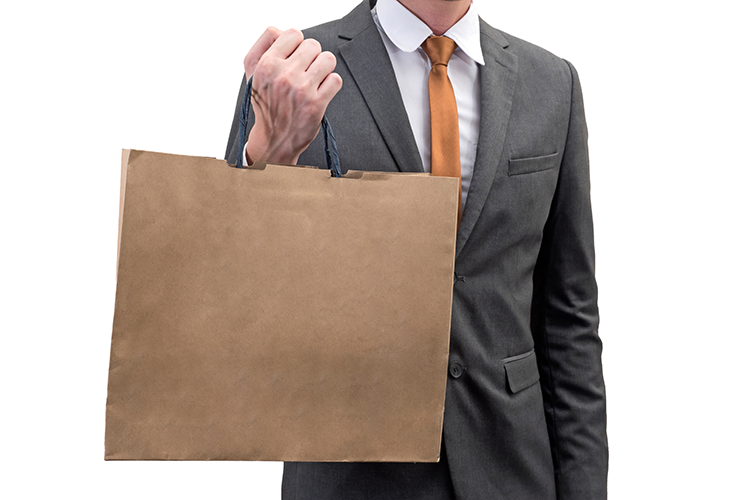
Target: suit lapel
(367, 59)
(497, 82)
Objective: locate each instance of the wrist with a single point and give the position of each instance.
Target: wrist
(260, 149)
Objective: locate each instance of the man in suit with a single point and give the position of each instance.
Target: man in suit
(525, 403)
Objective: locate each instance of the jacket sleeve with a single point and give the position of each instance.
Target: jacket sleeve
(565, 320)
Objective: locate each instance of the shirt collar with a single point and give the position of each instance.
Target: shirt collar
(407, 31)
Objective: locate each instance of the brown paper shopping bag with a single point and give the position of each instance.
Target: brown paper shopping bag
(279, 313)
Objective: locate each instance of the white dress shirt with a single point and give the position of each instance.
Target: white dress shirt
(403, 34)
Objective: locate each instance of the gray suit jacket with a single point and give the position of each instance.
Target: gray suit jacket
(525, 402)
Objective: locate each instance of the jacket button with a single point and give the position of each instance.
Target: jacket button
(456, 370)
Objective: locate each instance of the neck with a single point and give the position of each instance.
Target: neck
(439, 15)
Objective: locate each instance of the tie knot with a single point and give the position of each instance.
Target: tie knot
(439, 49)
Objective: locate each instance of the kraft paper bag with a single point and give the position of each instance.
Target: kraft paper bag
(279, 313)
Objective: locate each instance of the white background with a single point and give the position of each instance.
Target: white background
(665, 85)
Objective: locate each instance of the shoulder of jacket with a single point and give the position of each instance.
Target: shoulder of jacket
(346, 28)
(527, 52)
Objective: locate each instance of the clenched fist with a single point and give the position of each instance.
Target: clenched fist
(293, 82)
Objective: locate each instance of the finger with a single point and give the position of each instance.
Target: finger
(286, 44)
(261, 46)
(330, 87)
(321, 67)
(305, 54)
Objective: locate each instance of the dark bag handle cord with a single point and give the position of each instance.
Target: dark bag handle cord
(332, 152)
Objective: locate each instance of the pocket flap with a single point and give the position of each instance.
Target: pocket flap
(534, 164)
(521, 372)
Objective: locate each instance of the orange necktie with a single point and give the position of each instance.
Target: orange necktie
(446, 153)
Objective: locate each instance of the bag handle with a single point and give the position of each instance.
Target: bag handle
(332, 151)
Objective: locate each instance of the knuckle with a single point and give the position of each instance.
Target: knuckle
(296, 34)
(337, 80)
(263, 70)
(286, 80)
(328, 58)
(283, 84)
(312, 45)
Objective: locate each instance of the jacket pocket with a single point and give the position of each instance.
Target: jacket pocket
(533, 164)
(521, 371)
